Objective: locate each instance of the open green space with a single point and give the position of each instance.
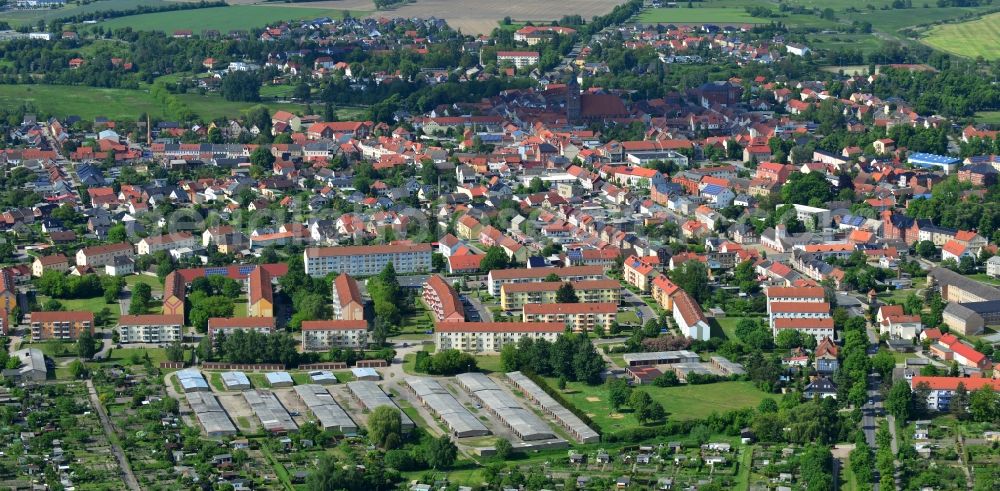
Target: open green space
(222, 19)
(21, 17)
(95, 305)
(681, 403)
(152, 281)
(628, 317)
(988, 117)
(982, 276)
(979, 37)
(127, 356)
(724, 326)
(86, 102)
(488, 363)
(124, 104)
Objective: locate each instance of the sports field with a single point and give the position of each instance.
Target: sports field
(980, 37)
(222, 19)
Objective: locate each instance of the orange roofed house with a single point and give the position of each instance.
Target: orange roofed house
(443, 300)
(60, 325)
(103, 255)
(260, 298)
(490, 337)
(348, 304)
(174, 293)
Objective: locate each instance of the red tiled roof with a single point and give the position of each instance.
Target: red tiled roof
(824, 323)
(795, 292)
(800, 307)
(570, 308)
(334, 325)
(366, 250)
(150, 320)
(500, 327)
(63, 316)
(951, 383)
(240, 323)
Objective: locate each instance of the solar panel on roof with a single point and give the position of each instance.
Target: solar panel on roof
(245, 270)
(216, 271)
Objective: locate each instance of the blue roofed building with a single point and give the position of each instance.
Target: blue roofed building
(717, 196)
(933, 161)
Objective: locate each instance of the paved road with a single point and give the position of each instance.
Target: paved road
(484, 313)
(126, 469)
(633, 302)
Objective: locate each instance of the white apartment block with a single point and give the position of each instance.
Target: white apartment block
(519, 59)
(103, 255)
(327, 334)
(150, 328)
(500, 277)
(804, 309)
(367, 260)
(227, 326)
(151, 245)
(580, 317)
(491, 337)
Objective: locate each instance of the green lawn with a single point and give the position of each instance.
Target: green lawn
(681, 403)
(488, 363)
(985, 279)
(724, 326)
(988, 117)
(629, 317)
(152, 281)
(88, 304)
(980, 37)
(223, 19)
(124, 356)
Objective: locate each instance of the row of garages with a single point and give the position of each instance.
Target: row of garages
(501, 404)
(460, 422)
(371, 396)
(569, 421)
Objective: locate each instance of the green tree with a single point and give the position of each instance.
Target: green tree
(441, 453)
(495, 258)
(77, 370)
(86, 345)
(926, 249)
(983, 405)
(385, 427)
(566, 294)
(503, 449)
(899, 402)
(618, 392)
(262, 157)
(692, 277)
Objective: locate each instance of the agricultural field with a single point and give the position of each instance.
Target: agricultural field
(980, 37)
(21, 17)
(707, 15)
(474, 16)
(223, 19)
(681, 403)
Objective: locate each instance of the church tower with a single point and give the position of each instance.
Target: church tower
(572, 99)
